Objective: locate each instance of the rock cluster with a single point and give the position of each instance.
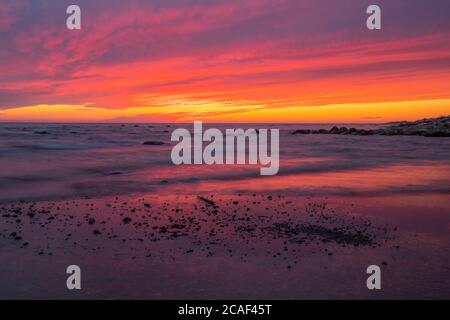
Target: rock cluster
(439, 127)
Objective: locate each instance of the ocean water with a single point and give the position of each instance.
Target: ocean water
(54, 161)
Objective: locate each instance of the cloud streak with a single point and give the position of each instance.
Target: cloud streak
(219, 57)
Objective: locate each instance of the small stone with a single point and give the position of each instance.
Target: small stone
(153, 143)
(126, 220)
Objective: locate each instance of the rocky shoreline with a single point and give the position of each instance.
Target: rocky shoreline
(438, 127)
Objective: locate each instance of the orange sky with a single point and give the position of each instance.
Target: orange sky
(238, 61)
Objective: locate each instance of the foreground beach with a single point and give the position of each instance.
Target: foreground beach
(240, 247)
(141, 228)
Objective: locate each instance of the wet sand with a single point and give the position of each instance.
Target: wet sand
(238, 246)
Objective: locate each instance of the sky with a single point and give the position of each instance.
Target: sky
(224, 61)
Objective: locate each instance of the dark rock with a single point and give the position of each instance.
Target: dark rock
(302, 131)
(126, 220)
(365, 132)
(153, 143)
(343, 130)
(208, 201)
(334, 130)
(117, 173)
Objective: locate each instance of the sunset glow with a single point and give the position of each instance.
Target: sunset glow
(222, 61)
